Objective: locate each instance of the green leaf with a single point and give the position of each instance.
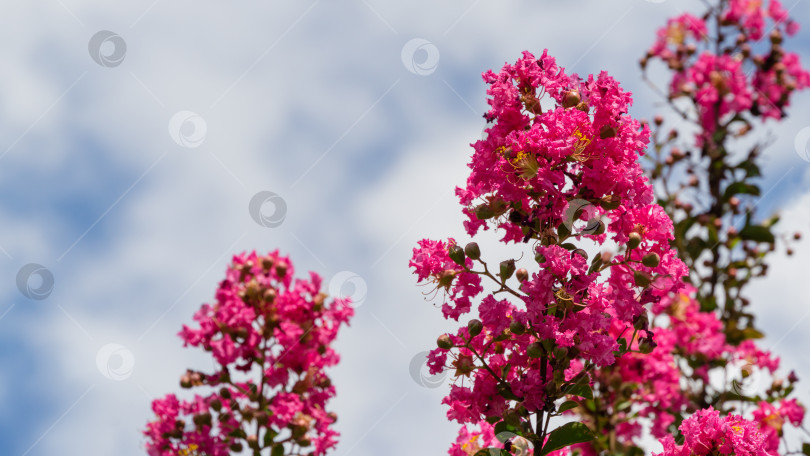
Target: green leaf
(278, 450)
(567, 405)
(580, 388)
(757, 233)
(751, 333)
(503, 426)
(566, 435)
(806, 448)
(738, 188)
(492, 452)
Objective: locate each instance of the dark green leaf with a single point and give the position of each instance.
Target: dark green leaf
(580, 388)
(567, 405)
(278, 450)
(806, 448)
(740, 188)
(566, 435)
(757, 233)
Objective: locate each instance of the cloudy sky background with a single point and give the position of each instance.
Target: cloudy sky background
(315, 102)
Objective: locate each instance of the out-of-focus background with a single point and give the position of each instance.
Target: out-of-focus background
(134, 136)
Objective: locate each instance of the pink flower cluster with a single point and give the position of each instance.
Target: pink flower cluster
(658, 392)
(707, 433)
(263, 321)
(738, 81)
(771, 419)
(559, 168)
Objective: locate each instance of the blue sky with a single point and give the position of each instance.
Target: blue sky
(312, 101)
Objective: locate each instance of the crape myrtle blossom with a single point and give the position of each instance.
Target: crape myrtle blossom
(270, 335)
(738, 83)
(730, 73)
(558, 171)
(707, 433)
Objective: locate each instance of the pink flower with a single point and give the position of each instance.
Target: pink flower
(266, 321)
(707, 433)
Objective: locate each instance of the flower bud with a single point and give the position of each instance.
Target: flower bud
(253, 441)
(646, 345)
(583, 107)
(540, 258)
(522, 275)
(641, 322)
(517, 328)
(281, 270)
(651, 260)
(633, 241)
(507, 269)
(641, 278)
(444, 342)
(456, 254)
(203, 419)
(472, 251)
(608, 132)
(571, 99)
(185, 381)
(560, 352)
(475, 327)
(534, 350)
(658, 120)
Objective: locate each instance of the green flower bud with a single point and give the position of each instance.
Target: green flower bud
(456, 254)
(475, 327)
(646, 346)
(517, 328)
(444, 342)
(634, 241)
(472, 251)
(571, 99)
(651, 260)
(641, 278)
(507, 269)
(560, 352)
(535, 350)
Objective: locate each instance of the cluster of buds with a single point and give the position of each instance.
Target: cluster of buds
(263, 321)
